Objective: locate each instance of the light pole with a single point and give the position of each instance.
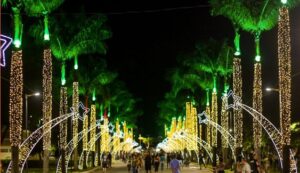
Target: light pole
(26, 109)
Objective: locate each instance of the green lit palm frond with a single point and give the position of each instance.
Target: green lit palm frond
(250, 15)
(40, 7)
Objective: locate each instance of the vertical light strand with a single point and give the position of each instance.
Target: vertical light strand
(237, 89)
(257, 105)
(194, 128)
(224, 119)
(284, 69)
(63, 126)
(75, 102)
(16, 107)
(47, 105)
(16, 99)
(85, 134)
(214, 117)
(284, 63)
(92, 124)
(208, 127)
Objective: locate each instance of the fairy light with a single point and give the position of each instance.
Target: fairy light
(63, 125)
(257, 105)
(214, 117)
(92, 123)
(85, 135)
(47, 97)
(237, 89)
(284, 68)
(75, 101)
(15, 98)
(208, 128)
(105, 137)
(224, 118)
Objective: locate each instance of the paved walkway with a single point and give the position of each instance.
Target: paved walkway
(119, 167)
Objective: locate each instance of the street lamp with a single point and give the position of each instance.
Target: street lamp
(36, 94)
(272, 89)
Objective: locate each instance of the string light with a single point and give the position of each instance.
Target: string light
(63, 132)
(284, 63)
(237, 89)
(92, 123)
(257, 105)
(224, 119)
(208, 128)
(29, 143)
(214, 117)
(85, 135)
(15, 98)
(75, 101)
(284, 68)
(47, 97)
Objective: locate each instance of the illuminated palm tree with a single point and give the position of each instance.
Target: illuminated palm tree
(16, 83)
(37, 8)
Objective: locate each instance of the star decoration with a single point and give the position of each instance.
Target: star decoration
(6, 42)
(86, 110)
(203, 118)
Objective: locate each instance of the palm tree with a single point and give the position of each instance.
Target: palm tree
(16, 83)
(38, 8)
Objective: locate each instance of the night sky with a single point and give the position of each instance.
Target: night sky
(147, 38)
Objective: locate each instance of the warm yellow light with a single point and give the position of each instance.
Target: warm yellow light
(257, 105)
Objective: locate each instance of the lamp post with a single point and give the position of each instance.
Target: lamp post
(26, 109)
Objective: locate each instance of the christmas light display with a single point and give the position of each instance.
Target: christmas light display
(214, 117)
(63, 132)
(257, 105)
(237, 89)
(29, 143)
(284, 68)
(75, 101)
(85, 134)
(224, 118)
(16, 99)
(105, 138)
(274, 134)
(224, 133)
(92, 123)
(5, 43)
(208, 128)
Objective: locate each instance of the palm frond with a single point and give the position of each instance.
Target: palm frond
(40, 7)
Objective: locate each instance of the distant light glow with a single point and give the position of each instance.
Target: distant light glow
(17, 43)
(283, 1)
(6, 42)
(257, 58)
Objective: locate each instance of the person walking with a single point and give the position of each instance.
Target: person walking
(156, 162)
(162, 160)
(104, 162)
(109, 157)
(221, 166)
(175, 165)
(148, 163)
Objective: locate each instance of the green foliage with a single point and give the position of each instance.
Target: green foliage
(251, 15)
(40, 7)
(74, 36)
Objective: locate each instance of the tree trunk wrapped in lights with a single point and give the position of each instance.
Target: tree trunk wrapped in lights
(214, 117)
(47, 106)
(16, 106)
(224, 119)
(284, 68)
(93, 132)
(237, 89)
(85, 138)
(75, 122)
(257, 105)
(63, 127)
(208, 113)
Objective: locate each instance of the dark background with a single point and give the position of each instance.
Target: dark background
(147, 38)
